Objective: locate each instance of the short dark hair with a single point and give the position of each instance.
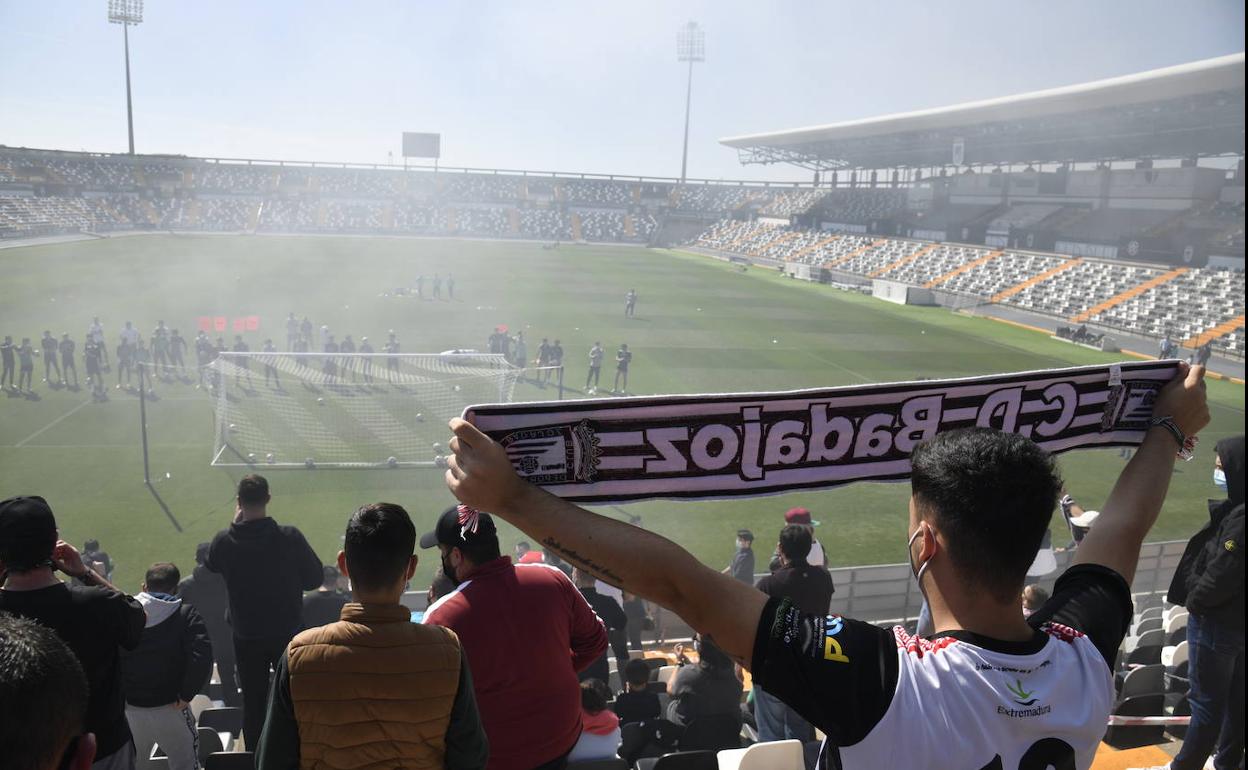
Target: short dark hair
(796, 542)
(637, 672)
(91, 545)
(1034, 597)
(525, 545)
(201, 552)
(992, 494)
(43, 695)
(329, 576)
(253, 489)
(592, 699)
(379, 542)
(162, 576)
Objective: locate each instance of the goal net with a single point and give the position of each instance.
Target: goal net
(316, 410)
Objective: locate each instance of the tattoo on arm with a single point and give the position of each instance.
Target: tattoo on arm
(583, 562)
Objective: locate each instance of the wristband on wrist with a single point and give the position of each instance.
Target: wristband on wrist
(1187, 444)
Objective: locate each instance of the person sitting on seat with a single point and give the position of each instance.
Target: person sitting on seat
(637, 703)
(600, 737)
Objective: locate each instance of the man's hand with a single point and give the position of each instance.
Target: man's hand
(1184, 400)
(67, 559)
(479, 472)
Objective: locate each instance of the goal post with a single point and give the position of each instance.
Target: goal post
(336, 410)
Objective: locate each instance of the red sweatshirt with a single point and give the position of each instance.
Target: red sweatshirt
(526, 632)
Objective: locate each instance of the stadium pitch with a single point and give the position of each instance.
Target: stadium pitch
(700, 326)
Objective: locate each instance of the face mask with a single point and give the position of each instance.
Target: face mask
(918, 574)
(448, 570)
(1219, 479)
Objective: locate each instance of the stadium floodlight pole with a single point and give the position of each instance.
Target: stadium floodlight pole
(690, 47)
(125, 13)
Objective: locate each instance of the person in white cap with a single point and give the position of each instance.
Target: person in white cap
(1077, 519)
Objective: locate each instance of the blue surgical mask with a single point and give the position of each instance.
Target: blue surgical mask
(1219, 479)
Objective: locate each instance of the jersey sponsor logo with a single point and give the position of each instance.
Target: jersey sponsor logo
(1230, 545)
(1021, 695)
(748, 444)
(832, 650)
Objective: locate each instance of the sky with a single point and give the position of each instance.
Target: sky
(553, 85)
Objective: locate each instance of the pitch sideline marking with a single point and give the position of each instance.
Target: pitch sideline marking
(49, 426)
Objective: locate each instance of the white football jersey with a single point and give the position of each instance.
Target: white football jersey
(962, 707)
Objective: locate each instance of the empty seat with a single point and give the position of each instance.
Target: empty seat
(774, 755)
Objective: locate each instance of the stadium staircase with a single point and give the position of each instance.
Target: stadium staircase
(112, 212)
(387, 215)
(903, 261)
(1210, 335)
(630, 227)
(322, 213)
(963, 268)
(188, 178)
(575, 221)
(856, 253)
(1134, 291)
(191, 213)
(140, 178)
(253, 217)
(819, 244)
(452, 220)
(513, 222)
(1035, 279)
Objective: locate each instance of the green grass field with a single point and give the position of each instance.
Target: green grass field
(701, 326)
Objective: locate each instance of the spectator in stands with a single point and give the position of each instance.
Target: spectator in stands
(609, 612)
(1034, 598)
(171, 664)
(94, 621)
(742, 566)
(810, 589)
(708, 688)
(600, 737)
(205, 591)
(638, 619)
(1077, 520)
(93, 555)
(266, 567)
(980, 503)
(527, 633)
(801, 516)
(1204, 353)
(374, 689)
(637, 703)
(43, 700)
(324, 605)
(1209, 581)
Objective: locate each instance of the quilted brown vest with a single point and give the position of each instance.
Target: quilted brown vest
(373, 690)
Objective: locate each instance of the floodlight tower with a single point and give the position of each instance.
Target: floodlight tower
(125, 13)
(690, 47)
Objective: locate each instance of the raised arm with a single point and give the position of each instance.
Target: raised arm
(633, 559)
(1135, 502)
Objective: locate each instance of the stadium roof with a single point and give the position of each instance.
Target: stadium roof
(1194, 109)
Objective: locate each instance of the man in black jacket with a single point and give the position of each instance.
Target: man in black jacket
(811, 590)
(1209, 581)
(94, 620)
(612, 616)
(267, 568)
(171, 664)
(205, 591)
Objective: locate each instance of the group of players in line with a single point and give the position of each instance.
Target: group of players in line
(165, 351)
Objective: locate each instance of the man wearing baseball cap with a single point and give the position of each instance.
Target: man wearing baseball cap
(526, 631)
(94, 620)
(802, 516)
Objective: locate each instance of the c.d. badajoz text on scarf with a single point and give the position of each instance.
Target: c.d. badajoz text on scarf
(760, 443)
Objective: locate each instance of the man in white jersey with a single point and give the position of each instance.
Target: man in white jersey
(989, 689)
